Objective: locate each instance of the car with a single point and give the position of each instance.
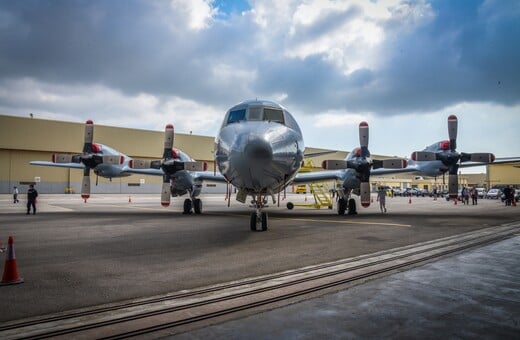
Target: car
(493, 194)
(517, 195)
(398, 192)
(481, 192)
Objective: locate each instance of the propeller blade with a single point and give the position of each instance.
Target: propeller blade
(89, 136)
(453, 185)
(363, 139)
(364, 188)
(85, 185)
(452, 131)
(165, 194)
(168, 141)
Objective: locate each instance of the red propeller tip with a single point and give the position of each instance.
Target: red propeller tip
(363, 124)
(452, 117)
(169, 126)
(89, 122)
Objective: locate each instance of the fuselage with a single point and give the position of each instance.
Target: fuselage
(259, 148)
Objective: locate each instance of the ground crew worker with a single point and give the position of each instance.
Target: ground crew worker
(381, 197)
(15, 195)
(31, 199)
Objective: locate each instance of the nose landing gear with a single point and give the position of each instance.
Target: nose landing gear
(259, 216)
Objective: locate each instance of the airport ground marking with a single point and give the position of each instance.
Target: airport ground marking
(329, 221)
(347, 222)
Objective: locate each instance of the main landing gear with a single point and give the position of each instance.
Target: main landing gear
(345, 204)
(259, 216)
(195, 203)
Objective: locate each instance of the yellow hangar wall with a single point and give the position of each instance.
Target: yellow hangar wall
(26, 139)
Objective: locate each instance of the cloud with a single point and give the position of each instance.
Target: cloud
(191, 60)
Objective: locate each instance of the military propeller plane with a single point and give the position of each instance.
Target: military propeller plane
(259, 150)
(181, 174)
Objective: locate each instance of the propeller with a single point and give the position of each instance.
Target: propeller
(170, 163)
(449, 156)
(91, 156)
(362, 163)
(166, 161)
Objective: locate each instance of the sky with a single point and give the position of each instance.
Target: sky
(402, 66)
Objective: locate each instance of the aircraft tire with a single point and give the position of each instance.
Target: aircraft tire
(290, 205)
(197, 206)
(342, 206)
(187, 206)
(352, 207)
(253, 221)
(264, 221)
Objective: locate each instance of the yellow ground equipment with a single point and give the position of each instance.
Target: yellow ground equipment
(321, 194)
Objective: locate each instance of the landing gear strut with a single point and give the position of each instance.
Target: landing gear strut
(259, 216)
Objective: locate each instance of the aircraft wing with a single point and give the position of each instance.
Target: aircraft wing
(318, 176)
(505, 160)
(197, 175)
(149, 171)
(59, 165)
(383, 171)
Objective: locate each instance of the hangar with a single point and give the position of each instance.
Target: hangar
(23, 139)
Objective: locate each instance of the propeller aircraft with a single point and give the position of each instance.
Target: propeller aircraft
(259, 150)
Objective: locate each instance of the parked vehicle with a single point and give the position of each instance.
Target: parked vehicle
(481, 192)
(493, 194)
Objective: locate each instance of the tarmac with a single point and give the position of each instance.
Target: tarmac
(118, 247)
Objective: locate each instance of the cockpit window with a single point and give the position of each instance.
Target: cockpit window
(273, 115)
(236, 116)
(255, 113)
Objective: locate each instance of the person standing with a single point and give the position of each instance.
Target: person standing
(15, 195)
(474, 196)
(381, 197)
(31, 199)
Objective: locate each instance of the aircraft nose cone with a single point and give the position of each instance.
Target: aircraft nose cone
(258, 150)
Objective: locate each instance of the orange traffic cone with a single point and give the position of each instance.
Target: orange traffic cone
(455, 201)
(10, 276)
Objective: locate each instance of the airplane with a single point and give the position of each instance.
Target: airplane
(259, 150)
(181, 174)
(442, 157)
(354, 173)
(102, 159)
(176, 166)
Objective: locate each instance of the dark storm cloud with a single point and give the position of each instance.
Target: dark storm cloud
(467, 52)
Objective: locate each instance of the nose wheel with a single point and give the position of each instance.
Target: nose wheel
(259, 218)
